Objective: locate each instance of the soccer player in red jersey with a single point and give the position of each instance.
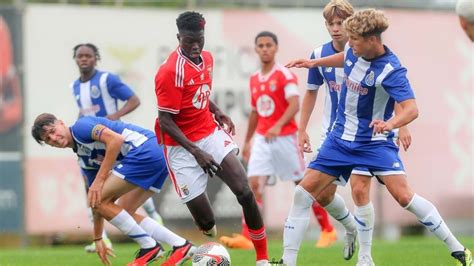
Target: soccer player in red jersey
(275, 102)
(195, 133)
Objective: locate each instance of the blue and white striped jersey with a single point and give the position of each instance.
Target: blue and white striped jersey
(99, 95)
(370, 89)
(91, 152)
(333, 78)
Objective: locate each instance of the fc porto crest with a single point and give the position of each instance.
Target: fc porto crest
(95, 92)
(370, 78)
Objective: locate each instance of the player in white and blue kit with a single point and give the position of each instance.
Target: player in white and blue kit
(97, 93)
(362, 135)
(120, 160)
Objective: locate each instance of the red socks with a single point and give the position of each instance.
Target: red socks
(322, 217)
(259, 239)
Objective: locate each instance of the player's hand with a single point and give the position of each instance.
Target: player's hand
(113, 117)
(303, 142)
(206, 162)
(404, 137)
(381, 127)
(272, 133)
(94, 195)
(104, 252)
(300, 63)
(246, 151)
(225, 122)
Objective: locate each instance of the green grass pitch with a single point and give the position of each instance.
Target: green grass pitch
(408, 251)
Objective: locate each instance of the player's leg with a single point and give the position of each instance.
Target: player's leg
(335, 205)
(313, 183)
(202, 213)
(328, 234)
(427, 214)
(242, 240)
(114, 187)
(182, 248)
(149, 207)
(233, 174)
(364, 213)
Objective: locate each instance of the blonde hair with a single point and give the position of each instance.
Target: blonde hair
(337, 8)
(465, 9)
(366, 23)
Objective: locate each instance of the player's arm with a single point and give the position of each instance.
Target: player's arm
(205, 160)
(404, 136)
(252, 126)
(131, 104)
(290, 112)
(102, 250)
(223, 120)
(307, 107)
(113, 143)
(408, 113)
(335, 60)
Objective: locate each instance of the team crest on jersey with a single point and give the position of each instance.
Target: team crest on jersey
(328, 69)
(95, 92)
(273, 85)
(370, 78)
(201, 98)
(265, 105)
(185, 190)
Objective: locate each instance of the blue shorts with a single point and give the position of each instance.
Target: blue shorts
(338, 157)
(144, 167)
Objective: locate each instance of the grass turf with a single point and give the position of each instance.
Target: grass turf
(407, 251)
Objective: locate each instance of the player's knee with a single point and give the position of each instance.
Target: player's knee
(302, 197)
(324, 199)
(245, 197)
(205, 223)
(360, 195)
(404, 199)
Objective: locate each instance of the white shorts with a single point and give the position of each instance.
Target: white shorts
(189, 179)
(281, 157)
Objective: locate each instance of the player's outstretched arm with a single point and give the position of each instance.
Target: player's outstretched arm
(203, 158)
(335, 60)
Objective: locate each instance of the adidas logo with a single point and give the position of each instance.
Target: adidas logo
(226, 142)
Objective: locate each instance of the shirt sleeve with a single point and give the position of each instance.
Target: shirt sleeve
(168, 94)
(83, 129)
(117, 88)
(397, 85)
(315, 79)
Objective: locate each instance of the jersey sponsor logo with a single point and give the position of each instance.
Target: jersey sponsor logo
(95, 92)
(201, 98)
(370, 78)
(334, 86)
(273, 85)
(265, 106)
(355, 86)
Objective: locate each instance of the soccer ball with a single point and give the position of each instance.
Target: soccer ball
(211, 254)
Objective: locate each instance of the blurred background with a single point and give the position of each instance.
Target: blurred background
(42, 197)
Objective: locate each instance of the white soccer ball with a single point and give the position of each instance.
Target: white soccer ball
(211, 254)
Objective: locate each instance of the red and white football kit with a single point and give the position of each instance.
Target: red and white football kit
(183, 89)
(282, 157)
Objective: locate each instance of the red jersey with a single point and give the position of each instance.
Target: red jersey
(183, 89)
(268, 98)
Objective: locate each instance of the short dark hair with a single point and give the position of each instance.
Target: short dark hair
(44, 119)
(90, 45)
(190, 21)
(267, 34)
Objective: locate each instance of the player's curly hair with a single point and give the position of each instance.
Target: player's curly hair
(37, 130)
(267, 34)
(90, 45)
(190, 21)
(366, 23)
(337, 8)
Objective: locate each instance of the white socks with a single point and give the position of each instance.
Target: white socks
(296, 225)
(149, 207)
(429, 216)
(161, 233)
(338, 210)
(365, 219)
(127, 225)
